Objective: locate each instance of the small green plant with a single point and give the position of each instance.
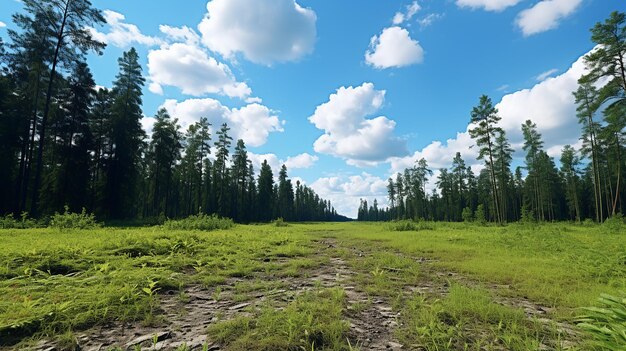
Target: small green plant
(606, 324)
(527, 216)
(468, 215)
(70, 220)
(408, 226)
(9, 222)
(280, 222)
(199, 222)
(480, 215)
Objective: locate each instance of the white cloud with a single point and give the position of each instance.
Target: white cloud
(122, 34)
(192, 70)
(545, 15)
(147, 123)
(181, 34)
(393, 48)
(345, 192)
(264, 31)
(488, 5)
(2, 24)
(545, 75)
(251, 100)
(349, 134)
(253, 123)
(300, 161)
(406, 16)
(429, 19)
(550, 104)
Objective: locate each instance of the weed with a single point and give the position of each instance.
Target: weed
(70, 220)
(607, 323)
(199, 222)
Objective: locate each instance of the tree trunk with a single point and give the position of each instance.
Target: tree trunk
(46, 112)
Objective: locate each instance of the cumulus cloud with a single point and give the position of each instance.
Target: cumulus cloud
(300, 161)
(488, 5)
(2, 24)
(545, 15)
(393, 48)
(550, 104)
(122, 34)
(192, 70)
(349, 134)
(345, 192)
(264, 31)
(253, 123)
(406, 16)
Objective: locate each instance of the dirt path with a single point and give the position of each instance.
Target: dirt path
(181, 319)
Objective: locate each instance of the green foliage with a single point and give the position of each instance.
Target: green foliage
(279, 222)
(614, 224)
(10, 222)
(200, 222)
(313, 321)
(607, 323)
(527, 216)
(408, 225)
(480, 214)
(466, 319)
(70, 220)
(467, 215)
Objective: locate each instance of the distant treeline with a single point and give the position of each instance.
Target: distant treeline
(66, 143)
(589, 184)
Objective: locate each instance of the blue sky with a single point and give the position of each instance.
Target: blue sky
(349, 92)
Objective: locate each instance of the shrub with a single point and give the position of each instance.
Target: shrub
(280, 222)
(199, 222)
(408, 225)
(70, 220)
(480, 214)
(9, 222)
(614, 224)
(606, 324)
(468, 215)
(527, 216)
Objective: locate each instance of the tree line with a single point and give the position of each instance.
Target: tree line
(588, 184)
(67, 143)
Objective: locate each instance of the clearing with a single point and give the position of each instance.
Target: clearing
(326, 286)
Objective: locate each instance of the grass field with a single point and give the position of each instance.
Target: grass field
(326, 286)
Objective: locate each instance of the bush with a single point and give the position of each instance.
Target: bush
(9, 222)
(480, 214)
(468, 215)
(199, 222)
(614, 224)
(280, 222)
(607, 323)
(407, 225)
(69, 220)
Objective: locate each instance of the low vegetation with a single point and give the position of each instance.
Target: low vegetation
(453, 286)
(199, 222)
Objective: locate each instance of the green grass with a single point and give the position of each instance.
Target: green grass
(55, 283)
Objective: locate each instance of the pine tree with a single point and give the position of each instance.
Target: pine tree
(266, 192)
(67, 20)
(241, 168)
(164, 152)
(126, 137)
(569, 169)
(484, 118)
